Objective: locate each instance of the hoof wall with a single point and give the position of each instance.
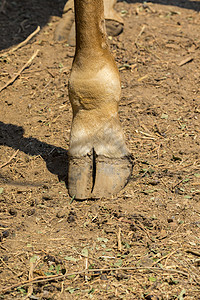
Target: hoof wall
(94, 176)
(80, 177)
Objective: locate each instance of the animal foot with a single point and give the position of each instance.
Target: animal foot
(94, 176)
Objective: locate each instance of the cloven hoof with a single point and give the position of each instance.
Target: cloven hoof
(94, 176)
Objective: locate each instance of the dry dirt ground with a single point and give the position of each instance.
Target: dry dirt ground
(143, 243)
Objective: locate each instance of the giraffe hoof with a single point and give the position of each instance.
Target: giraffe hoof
(111, 175)
(114, 28)
(95, 176)
(80, 176)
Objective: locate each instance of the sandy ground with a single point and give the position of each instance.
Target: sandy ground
(143, 243)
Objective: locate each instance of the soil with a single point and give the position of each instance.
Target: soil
(144, 242)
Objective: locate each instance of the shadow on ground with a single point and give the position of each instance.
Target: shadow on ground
(56, 158)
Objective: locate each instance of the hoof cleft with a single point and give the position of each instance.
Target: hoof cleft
(95, 176)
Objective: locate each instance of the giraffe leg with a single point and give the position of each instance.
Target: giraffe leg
(64, 27)
(65, 30)
(99, 160)
(99, 163)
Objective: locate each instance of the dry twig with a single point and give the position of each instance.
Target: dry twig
(57, 277)
(193, 252)
(140, 33)
(86, 268)
(20, 71)
(30, 277)
(8, 266)
(166, 256)
(119, 242)
(22, 43)
(185, 61)
(7, 162)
